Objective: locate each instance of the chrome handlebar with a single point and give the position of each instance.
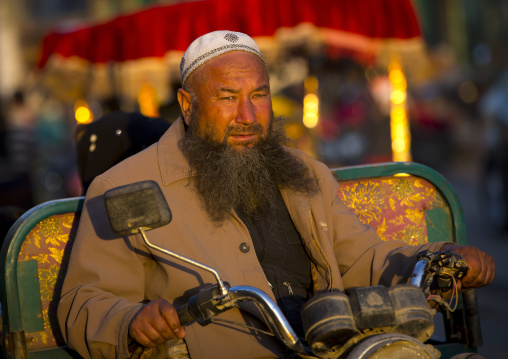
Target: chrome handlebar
(276, 320)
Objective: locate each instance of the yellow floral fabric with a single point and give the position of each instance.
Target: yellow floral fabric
(394, 205)
(49, 243)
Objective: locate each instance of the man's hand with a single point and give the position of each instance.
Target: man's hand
(156, 323)
(482, 268)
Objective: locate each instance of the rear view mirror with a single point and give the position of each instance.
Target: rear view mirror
(136, 205)
(139, 207)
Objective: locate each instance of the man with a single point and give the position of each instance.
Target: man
(259, 213)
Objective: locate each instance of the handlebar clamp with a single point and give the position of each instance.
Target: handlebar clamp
(203, 306)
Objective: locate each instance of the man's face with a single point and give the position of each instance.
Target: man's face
(235, 151)
(234, 99)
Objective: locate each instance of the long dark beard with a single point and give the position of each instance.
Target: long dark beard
(243, 179)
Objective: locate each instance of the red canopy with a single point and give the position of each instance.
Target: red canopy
(156, 31)
(119, 56)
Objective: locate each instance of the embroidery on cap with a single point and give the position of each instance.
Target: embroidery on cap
(231, 37)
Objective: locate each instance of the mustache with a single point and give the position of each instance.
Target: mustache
(234, 129)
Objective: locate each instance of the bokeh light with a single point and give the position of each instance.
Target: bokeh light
(311, 102)
(399, 124)
(82, 113)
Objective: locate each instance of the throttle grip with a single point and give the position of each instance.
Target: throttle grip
(185, 314)
(202, 307)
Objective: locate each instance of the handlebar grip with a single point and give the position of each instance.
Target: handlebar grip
(184, 314)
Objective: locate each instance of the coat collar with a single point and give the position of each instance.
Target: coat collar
(173, 165)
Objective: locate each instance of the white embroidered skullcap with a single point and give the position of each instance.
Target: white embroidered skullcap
(213, 44)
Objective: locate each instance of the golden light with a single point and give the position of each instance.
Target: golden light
(397, 79)
(310, 120)
(399, 130)
(147, 100)
(310, 110)
(398, 112)
(82, 113)
(399, 123)
(398, 97)
(311, 107)
(311, 84)
(399, 145)
(400, 134)
(310, 98)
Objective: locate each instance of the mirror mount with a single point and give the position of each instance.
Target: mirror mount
(222, 288)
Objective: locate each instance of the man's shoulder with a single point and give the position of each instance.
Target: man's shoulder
(314, 164)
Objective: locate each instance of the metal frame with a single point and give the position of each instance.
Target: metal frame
(12, 326)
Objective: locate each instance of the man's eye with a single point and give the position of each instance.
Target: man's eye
(227, 98)
(260, 95)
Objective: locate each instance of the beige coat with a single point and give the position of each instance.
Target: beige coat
(110, 276)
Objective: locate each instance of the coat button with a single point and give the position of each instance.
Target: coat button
(244, 247)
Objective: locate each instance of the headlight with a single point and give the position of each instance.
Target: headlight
(392, 346)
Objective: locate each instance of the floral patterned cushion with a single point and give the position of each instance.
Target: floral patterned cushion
(395, 206)
(49, 243)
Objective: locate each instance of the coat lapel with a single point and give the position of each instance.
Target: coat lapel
(301, 213)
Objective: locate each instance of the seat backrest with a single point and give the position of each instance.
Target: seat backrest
(405, 201)
(414, 203)
(33, 261)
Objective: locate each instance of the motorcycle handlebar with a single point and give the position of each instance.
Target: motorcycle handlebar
(275, 319)
(203, 306)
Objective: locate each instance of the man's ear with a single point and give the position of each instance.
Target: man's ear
(185, 101)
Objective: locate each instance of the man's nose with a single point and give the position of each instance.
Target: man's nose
(246, 112)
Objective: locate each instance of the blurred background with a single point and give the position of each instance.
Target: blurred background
(359, 82)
